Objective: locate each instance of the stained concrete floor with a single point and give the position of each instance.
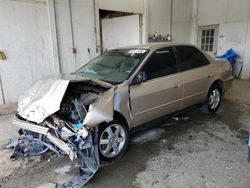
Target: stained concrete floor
(210, 150)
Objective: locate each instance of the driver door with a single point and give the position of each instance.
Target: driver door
(161, 92)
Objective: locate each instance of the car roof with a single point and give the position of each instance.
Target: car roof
(154, 46)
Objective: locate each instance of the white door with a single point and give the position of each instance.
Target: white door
(120, 31)
(208, 39)
(25, 39)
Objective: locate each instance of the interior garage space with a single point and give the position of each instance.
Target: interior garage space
(135, 93)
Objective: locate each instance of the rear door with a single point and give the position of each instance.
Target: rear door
(161, 93)
(196, 74)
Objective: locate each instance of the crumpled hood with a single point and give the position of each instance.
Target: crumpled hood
(44, 96)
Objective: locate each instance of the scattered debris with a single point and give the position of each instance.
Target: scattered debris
(181, 118)
(47, 185)
(25, 146)
(164, 140)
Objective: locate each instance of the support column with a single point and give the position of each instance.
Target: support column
(246, 61)
(145, 22)
(194, 24)
(53, 35)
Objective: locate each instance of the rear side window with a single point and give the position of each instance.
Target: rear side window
(190, 58)
(161, 63)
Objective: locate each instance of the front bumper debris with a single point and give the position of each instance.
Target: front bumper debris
(45, 131)
(36, 139)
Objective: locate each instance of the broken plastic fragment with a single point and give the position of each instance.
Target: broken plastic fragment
(90, 161)
(26, 145)
(11, 144)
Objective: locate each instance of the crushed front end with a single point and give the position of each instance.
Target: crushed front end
(61, 116)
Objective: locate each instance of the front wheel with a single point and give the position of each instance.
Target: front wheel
(113, 141)
(214, 98)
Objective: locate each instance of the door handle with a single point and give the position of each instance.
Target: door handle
(210, 75)
(177, 85)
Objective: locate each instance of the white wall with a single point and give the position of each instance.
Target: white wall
(25, 37)
(37, 34)
(159, 18)
(182, 18)
(233, 19)
(221, 11)
(232, 35)
(159, 14)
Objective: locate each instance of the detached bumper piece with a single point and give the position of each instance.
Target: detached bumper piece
(26, 126)
(61, 138)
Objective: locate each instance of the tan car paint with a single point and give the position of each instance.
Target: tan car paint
(158, 97)
(195, 83)
(155, 98)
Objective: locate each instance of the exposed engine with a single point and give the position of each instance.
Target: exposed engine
(78, 97)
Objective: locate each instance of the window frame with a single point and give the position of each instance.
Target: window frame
(153, 53)
(179, 62)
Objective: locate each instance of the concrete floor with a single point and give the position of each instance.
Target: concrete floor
(210, 150)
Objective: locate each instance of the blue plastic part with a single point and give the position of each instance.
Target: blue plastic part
(77, 138)
(230, 55)
(78, 126)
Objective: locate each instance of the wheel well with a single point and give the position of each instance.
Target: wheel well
(118, 115)
(218, 83)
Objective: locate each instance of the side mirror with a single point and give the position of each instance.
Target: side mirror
(141, 77)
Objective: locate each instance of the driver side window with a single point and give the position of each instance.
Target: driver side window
(161, 63)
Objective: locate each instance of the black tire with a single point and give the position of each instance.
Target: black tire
(215, 93)
(103, 135)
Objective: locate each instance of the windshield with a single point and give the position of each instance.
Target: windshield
(115, 66)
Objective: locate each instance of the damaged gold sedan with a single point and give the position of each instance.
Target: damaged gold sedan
(89, 113)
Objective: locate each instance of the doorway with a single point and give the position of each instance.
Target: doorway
(119, 29)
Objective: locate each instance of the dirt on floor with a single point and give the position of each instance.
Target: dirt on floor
(209, 150)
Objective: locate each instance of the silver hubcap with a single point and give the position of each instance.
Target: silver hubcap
(112, 140)
(214, 99)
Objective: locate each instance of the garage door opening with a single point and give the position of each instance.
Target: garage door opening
(119, 29)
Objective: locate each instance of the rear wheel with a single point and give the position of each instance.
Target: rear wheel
(113, 141)
(214, 98)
